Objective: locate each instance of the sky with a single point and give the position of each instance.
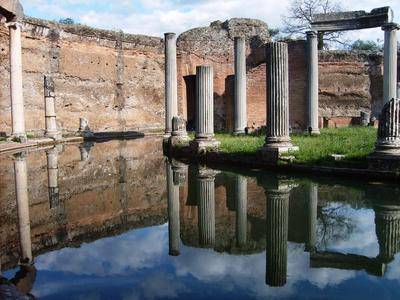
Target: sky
(154, 17)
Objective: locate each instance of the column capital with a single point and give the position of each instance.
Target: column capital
(15, 25)
(169, 35)
(20, 156)
(390, 27)
(312, 33)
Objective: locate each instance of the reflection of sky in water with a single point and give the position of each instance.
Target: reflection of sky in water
(136, 265)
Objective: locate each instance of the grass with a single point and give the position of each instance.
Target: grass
(356, 143)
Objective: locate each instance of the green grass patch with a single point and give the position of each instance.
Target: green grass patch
(356, 143)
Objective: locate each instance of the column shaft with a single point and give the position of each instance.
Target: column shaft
(21, 191)
(173, 213)
(206, 202)
(204, 102)
(312, 206)
(241, 210)
(52, 173)
(17, 99)
(240, 99)
(171, 89)
(390, 62)
(387, 227)
(50, 110)
(312, 53)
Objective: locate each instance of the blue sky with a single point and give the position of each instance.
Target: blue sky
(153, 17)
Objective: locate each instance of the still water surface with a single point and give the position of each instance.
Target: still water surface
(117, 220)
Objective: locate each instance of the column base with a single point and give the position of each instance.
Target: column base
(57, 136)
(202, 146)
(18, 137)
(313, 131)
(272, 153)
(178, 141)
(385, 160)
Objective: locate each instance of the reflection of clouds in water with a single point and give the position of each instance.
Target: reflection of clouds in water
(363, 239)
(110, 256)
(393, 270)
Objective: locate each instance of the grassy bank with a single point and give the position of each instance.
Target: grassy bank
(356, 143)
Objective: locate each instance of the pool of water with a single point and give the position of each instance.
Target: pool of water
(117, 220)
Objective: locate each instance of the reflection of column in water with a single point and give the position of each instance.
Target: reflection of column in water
(52, 176)
(173, 212)
(84, 149)
(21, 191)
(312, 206)
(387, 227)
(277, 234)
(206, 207)
(241, 210)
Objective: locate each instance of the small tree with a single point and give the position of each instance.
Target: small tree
(66, 21)
(365, 45)
(300, 15)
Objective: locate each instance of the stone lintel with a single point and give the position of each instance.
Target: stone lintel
(352, 20)
(12, 10)
(391, 26)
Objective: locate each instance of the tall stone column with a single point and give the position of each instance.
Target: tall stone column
(171, 85)
(21, 192)
(387, 227)
(52, 176)
(277, 140)
(50, 109)
(204, 138)
(278, 193)
(17, 98)
(206, 207)
(173, 212)
(241, 210)
(240, 99)
(312, 57)
(312, 206)
(390, 62)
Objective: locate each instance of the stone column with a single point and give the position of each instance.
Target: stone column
(312, 206)
(387, 227)
(84, 149)
(21, 192)
(312, 53)
(206, 207)
(52, 176)
(390, 62)
(173, 212)
(241, 210)
(277, 140)
(50, 109)
(240, 99)
(171, 89)
(204, 138)
(17, 99)
(398, 90)
(278, 193)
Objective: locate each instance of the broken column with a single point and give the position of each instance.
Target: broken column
(173, 212)
(312, 53)
(241, 210)
(84, 129)
(179, 135)
(240, 99)
(277, 140)
(50, 109)
(206, 207)
(312, 206)
(204, 138)
(390, 62)
(171, 85)
(17, 98)
(21, 192)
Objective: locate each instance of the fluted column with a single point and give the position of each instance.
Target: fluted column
(387, 227)
(17, 98)
(171, 89)
(312, 54)
(312, 206)
(206, 207)
(240, 99)
(50, 109)
(173, 212)
(277, 139)
(52, 173)
(390, 62)
(204, 138)
(21, 192)
(241, 210)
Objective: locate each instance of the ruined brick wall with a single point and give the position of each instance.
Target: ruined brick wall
(114, 80)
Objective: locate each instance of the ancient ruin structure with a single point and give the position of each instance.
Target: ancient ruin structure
(179, 136)
(50, 109)
(204, 138)
(379, 17)
(277, 140)
(171, 94)
(240, 96)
